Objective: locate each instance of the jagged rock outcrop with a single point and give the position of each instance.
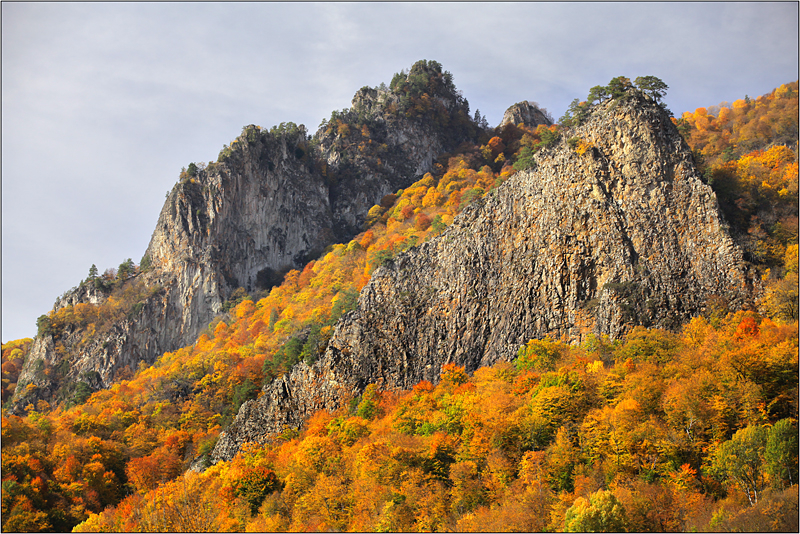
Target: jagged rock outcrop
(614, 227)
(274, 200)
(527, 113)
(67, 365)
(261, 210)
(388, 135)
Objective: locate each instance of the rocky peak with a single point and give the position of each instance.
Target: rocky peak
(84, 293)
(388, 135)
(613, 228)
(371, 102)
(272, 201)
(527, 113)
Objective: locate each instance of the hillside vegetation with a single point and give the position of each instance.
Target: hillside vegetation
(645, 434)
(636, 434)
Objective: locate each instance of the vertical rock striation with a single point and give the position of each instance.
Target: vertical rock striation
(611, 229)
(274, 200)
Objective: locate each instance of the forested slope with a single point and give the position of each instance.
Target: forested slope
(638, 432)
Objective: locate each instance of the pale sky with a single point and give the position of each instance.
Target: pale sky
(103, 103)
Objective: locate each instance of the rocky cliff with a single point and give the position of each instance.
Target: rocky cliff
(272, 201)
(613, 227)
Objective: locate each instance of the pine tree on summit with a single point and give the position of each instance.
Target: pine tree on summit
(598, 94)
(652, 87)
(619, 87)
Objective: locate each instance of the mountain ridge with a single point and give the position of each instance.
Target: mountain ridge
(576, 245)
(272, 201)
(618, 211)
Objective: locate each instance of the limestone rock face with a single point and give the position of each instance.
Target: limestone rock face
(619, 232)
(527, 113)
(273, 201)
(261, 209)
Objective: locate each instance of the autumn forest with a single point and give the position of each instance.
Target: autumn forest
(691, 429)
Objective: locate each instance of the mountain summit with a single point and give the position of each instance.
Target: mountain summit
(272, 201)
(612, 227)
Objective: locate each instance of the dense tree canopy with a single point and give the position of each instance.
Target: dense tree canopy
(650, 432)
